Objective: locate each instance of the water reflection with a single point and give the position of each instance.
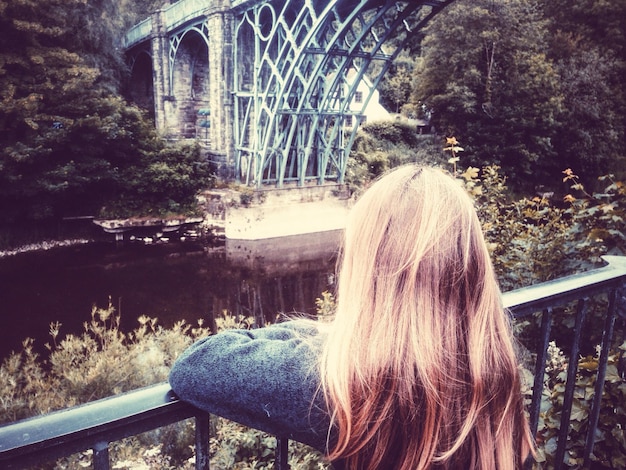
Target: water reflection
(170, 282)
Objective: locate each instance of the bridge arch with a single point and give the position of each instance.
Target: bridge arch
(293, 124)
(284, 77)
(141, 85)
(189, 82)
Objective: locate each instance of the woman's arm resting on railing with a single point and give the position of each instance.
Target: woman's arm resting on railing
(264, 378)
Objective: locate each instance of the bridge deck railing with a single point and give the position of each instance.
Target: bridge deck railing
(138, 33)
(179, 13)
(175, 15)
(96, 424)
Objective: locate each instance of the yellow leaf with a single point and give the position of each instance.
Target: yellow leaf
(588, 364)
(470, 173)
(569, 174)
(32, 124)
(579, 413)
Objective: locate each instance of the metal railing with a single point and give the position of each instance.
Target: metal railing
(96, 424)
(175, 16)
(183, 11)
(136, 34)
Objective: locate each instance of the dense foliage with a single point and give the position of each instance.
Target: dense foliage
(380, 146)
(533, 86)
(79, 370)
(69, 144)
(532, 238)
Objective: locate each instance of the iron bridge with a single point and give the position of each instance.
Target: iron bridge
(269, 87)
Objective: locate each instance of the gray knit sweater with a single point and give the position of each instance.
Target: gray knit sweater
(265, 378)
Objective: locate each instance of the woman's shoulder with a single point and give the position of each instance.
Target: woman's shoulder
(292, 333)
(266, 378)
(289, 345)
(299, 328)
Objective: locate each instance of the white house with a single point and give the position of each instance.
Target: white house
(374, 111)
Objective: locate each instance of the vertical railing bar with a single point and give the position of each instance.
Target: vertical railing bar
(540, 370)
(607, 335)
(101, 456)
(568, 396)
(202, 440)
(282, 453)
(620, 312)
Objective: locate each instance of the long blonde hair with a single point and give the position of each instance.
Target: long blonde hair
(419, 370)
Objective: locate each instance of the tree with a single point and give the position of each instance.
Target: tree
(44, 89)
(591, 133)
(588, 46)
(488, 81)
(41, 81)
(395, 89)
(68, 144)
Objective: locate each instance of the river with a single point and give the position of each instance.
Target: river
(171, 282)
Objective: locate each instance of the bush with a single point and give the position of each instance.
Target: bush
(79, 369)
(537, 239)
(610, 447)
(393, 133)
(383, 145)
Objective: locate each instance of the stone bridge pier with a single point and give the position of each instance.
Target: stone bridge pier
(183, 78)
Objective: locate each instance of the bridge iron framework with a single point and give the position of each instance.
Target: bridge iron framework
(280, 77)
(299, 64)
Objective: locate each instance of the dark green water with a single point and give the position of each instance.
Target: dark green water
(170, 282)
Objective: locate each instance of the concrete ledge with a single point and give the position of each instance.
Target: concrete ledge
(248, 214)
(256, 223)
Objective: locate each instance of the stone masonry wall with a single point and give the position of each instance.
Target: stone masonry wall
(201, 78)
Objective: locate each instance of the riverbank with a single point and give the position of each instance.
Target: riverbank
(275, 212)
(43, 246)
(243, 214)
(260, 223)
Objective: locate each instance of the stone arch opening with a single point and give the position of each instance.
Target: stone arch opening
(141, 85)
(190, 87)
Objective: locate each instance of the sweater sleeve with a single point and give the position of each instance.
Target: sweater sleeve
(265, 378)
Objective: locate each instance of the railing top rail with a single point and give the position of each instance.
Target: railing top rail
(42, 432)
(240, 5)
(140, 32)
(176, 15)
(558, 291)
(181, 12)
